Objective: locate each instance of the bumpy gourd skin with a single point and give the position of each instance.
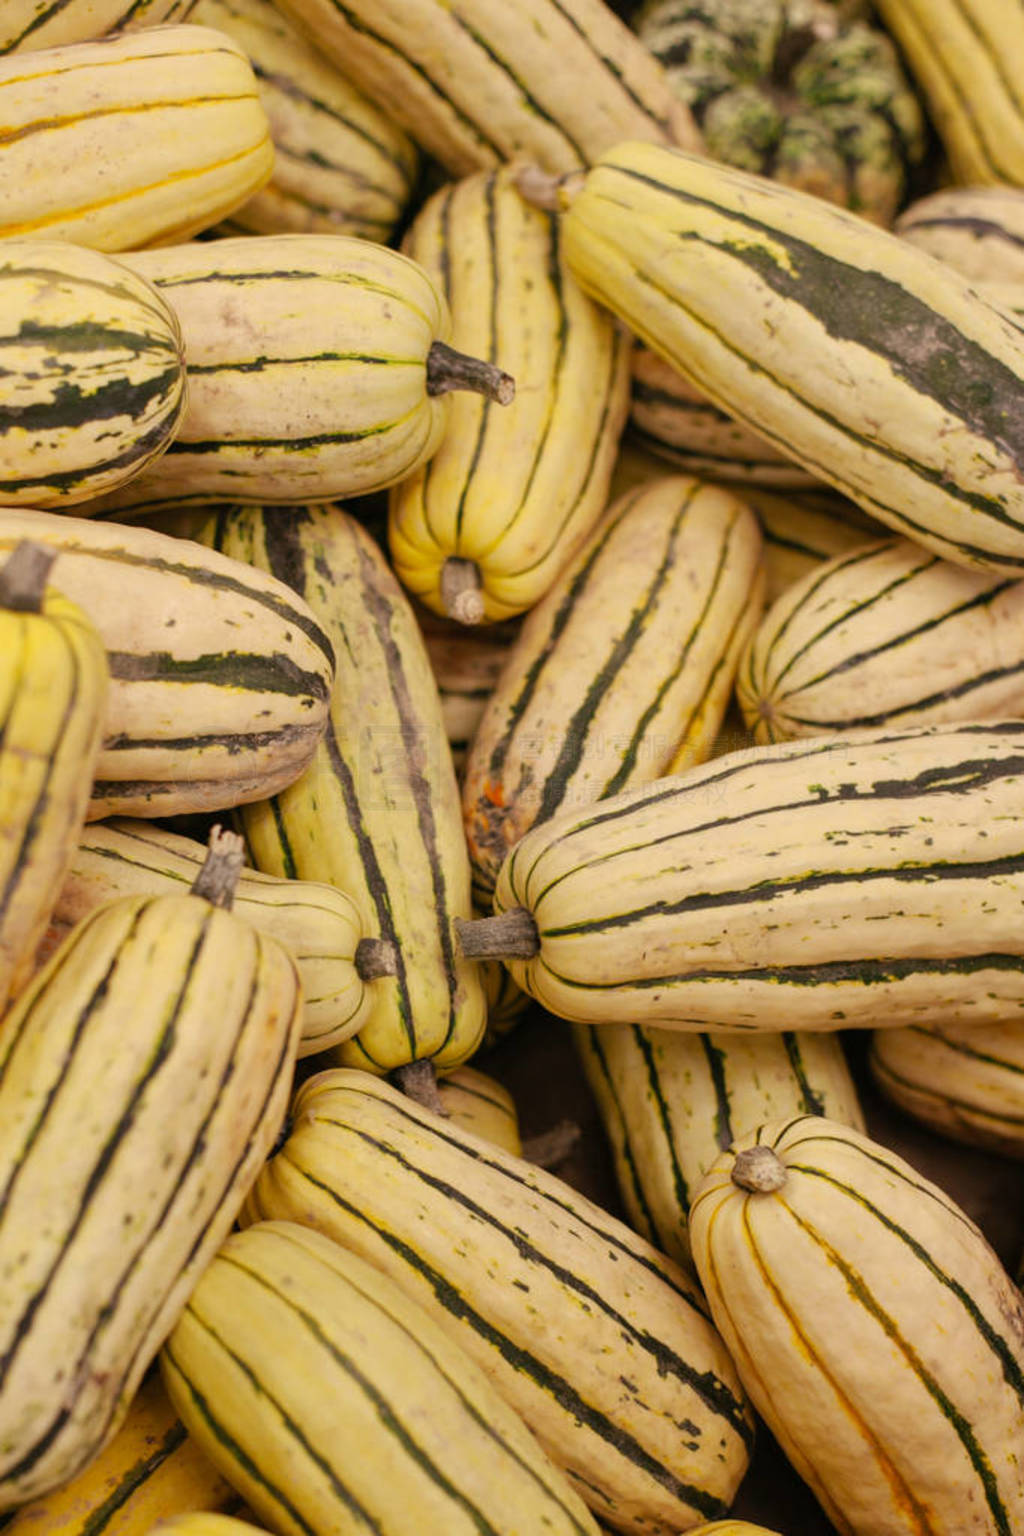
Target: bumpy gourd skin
(795, 90)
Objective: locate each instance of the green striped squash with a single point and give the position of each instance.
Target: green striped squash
(967, 1084)
(599, 1341)
(334, 1403)
(320, 924)
(206, 1523)
(838, 881)
(622, 672)
(675, 419)
(803, 528)
(671, 1102)
(341, 166)
(967, 56)
(506, 1003)
(509, 495)
(876, 1330)
(220, 677)
(144, 1074)
(152, 1469)
(880, 370)
(977, 230)
(377, 811)
(31, 24)
(886, 635)
(466, 663)
(554, 81)
(53, 692)
(94, 373)
(317, 368)
(136, 139)
(479, 1103)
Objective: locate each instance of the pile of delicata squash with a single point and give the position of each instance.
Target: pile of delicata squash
(511, 575)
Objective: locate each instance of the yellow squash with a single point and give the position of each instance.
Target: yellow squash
(334, 1403)
(670, 1102)
(93, 388)
(963, 1083)
(622, 672)
(477, 83)
(826, 883)
(152, 1470)
(136, 139)
(968, 58)
(599, 1341)
(220, 676)
(53, 699)
(319, 923)
(876, 1330)
(877, 368)
(478, 1103)
(32, 24)
(319, 366)
(144, 1075)
(341, 166)
(377, 811)
(483, 529)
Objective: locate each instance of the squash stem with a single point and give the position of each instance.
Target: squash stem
(216, 881)
(546, 191)
(23, 578)
(375, 958)
(462, 590)
(448, 369)
(548, 1149)
(418, 1081)
(758, 1170)
(510, 935)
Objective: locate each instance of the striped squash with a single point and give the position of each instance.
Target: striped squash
(967, 1084)
(318, 367)
(597, 1340)
(206, 1523)
(151, 1470)
(53, 694)
(483, 529)
(198, 718)
(377, 811)
(819, 884)
(880, 370)
(800, 528)
(93, 387)
(319, 923)
(341, 166)
(334, 1403)
(887, 635)
(676, 420)
(977, 230)
(506, 1003)
(622, 672)
(671, 1102)
(968, 58)
(466, 664)
(114, 1199)
(877, 1332)
(31, 24)
(136, 139)
(803, 528)
(556, 81)
(478, 1103)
